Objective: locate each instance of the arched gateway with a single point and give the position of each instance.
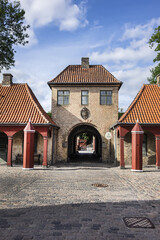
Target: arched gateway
(75, 148)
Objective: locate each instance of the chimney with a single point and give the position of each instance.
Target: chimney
(158, 80)
(7, 79)
(85, 62)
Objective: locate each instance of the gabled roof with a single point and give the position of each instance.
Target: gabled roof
(145, 107)
(75, 74)
(18, 104)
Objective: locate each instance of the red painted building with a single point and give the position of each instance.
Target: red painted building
(18, 104)
(146, 109)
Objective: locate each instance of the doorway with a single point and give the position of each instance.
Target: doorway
(84, 144)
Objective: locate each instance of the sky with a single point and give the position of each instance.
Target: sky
(112, 33)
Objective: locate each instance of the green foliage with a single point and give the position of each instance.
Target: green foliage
(120, 112)
(49, 114)
(154, 41)
(154, 71)
(84, 136)
(12, 31)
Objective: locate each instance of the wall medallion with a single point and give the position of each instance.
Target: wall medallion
(85, 113)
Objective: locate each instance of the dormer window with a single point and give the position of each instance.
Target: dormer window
(63, 97)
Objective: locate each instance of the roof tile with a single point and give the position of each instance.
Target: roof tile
(18, 103)
(77, 74)
(145, 107)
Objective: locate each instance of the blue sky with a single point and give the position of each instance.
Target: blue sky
(112, 33)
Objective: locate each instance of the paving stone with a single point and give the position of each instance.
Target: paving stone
(61, 203)
(57, 234)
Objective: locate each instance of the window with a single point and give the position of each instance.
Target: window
(63, 97)
(84, 97)
(144, 146)
(105, 97)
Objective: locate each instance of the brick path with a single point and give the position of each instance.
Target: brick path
(61, 203)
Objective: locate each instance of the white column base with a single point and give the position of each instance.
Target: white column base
(135, 170)
(27, 169)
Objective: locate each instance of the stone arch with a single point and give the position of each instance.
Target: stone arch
(3, 147)
(78, 129)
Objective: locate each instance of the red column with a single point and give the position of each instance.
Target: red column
(9, 157)
(158, 152)
(45, 147)
(122, 163)
(28, 154)
(137, 141)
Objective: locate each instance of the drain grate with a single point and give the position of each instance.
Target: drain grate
(138, 222)
(99, 185)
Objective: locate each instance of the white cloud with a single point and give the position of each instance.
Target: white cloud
(140, 31)
(131, 61)
(32, 37)
(62, 13)
(132, 79)
(128, 54)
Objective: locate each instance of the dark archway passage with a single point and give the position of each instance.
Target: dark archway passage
(3, 147)
(74, 154)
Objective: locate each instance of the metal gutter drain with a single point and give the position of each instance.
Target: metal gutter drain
(138, 222)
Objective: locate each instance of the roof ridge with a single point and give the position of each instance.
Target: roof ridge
(132, 103)
(37, 107)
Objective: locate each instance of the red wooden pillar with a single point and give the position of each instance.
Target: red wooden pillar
(45, 147)
(9, 157)
(158, 152)
(28, 154)
(137, 141)
(122, 163)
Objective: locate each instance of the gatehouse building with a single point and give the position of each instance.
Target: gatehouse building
(84, 101)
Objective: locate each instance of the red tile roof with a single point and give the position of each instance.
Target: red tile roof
(75, 74)
(18, 103)
(145, 107)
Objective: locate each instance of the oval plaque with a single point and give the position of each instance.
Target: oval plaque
(85, 113)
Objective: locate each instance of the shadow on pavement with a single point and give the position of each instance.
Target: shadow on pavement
(79, 221)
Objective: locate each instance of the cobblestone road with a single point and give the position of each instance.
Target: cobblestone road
(61, 203)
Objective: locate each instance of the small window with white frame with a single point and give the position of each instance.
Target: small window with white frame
(106, 97)
(63, 97)
(84, 97)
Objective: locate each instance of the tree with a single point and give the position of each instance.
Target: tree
(49, 114)
(155, 41)
(12, 31)
(120, 112)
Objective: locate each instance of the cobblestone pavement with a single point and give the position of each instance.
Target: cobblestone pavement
(61, 203)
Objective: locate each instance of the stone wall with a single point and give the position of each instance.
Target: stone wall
(68, 116)
(17, 147)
